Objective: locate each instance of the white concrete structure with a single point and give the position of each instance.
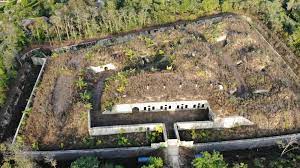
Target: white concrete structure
(158, 106)
(102, 68)
(222, 37)
(117, 129)
(232, 121)
(226, 122)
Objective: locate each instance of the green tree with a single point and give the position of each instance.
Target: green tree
(296, 39)
(210, 6)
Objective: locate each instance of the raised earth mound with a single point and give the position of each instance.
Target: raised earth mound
(225, 62)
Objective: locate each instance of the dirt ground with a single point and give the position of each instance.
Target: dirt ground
(56, 114)
(240, 75)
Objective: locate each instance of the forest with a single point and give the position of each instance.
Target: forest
(26, 23)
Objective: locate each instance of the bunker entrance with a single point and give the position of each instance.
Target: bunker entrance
(135, 109)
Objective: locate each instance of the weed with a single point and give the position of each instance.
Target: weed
(80, 83)
(234, 100)
(240, 165)
(213, 160)
(88, 55)
(154, 162)
(88, 106)
(35, 146)
(203, 134)
(20, 141)
(201, 73)
(99, 142)
(256, 80)
(130, 54)
(108, 104)
(54, 55)
(2, 148)
(149, 42)
(123, 141)
(154, 135)
(89, 142)
(214, 32)
(122, 131)
(259, 163)
(85, 96)
(61, 145)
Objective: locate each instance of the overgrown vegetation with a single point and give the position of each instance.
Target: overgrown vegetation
(92, 162)
(154, 135)
(34, 21)
(116, 82)
(210, 160)
(257, 159)
(11, 158)
(86, 162)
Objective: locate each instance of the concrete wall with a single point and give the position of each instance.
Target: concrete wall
(226, 122)
(28, 105)
(158, 106)
(117, 129)
(107, 153)
(245, 143)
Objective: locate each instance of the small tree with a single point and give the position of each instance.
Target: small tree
(214, 160)
(86, 162)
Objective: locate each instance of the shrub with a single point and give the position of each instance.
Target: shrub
(80, 83)
(123, 141)
(240, 165)
(203, 134)
(153, 136)
(155, 162)
(214, 160)
(12, 159)
(110, 165)
(86, 162)
(85, 96)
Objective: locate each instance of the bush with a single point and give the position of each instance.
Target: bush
(12, 159)
(155, 162)
(214, 160)
(86, 162)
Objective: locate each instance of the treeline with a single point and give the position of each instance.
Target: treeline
(37, 21)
